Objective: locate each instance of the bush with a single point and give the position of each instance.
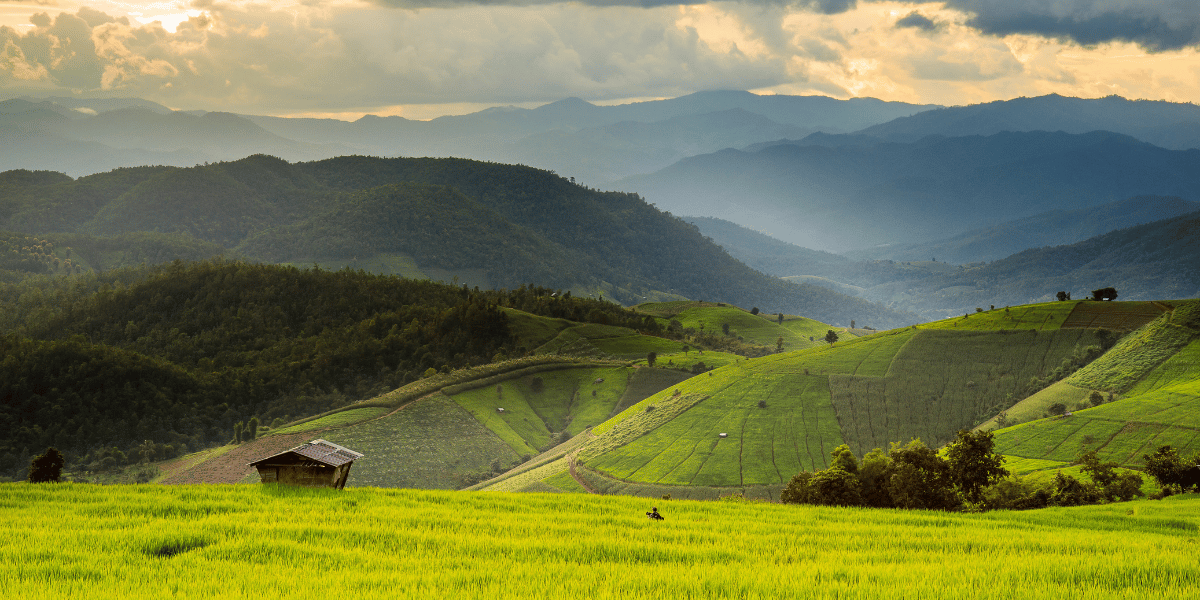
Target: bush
(46, 468)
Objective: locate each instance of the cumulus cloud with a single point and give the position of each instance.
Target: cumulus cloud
(1156, 25)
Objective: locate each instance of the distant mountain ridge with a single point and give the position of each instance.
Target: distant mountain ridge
(844, 197)
(150, 134)
(1148, 261)
(1054, 228)
(1171, 125)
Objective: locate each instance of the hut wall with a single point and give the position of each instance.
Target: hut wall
(317, 476)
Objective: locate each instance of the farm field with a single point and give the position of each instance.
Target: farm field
(450, 435)
(113, 542)
(783, 413)
(1153, 373)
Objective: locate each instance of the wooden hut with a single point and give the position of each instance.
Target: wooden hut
(316, 464)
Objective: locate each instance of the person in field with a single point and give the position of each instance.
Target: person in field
(653, 514)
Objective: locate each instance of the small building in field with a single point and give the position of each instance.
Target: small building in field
(316, 464)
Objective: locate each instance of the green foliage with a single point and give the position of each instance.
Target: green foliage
(1166, 466)
(974, 465)
(46, 467)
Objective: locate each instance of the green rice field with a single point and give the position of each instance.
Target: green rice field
(115, 542)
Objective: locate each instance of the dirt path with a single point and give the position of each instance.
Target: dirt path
(575, 474)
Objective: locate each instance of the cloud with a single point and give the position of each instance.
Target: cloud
(256, 59)
(1156, 25)
(828, 7)
(917, 20)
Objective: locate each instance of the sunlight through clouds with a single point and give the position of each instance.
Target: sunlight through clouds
(349, 57)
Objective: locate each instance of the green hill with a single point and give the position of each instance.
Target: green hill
(784, 413)
(454, 430)
(1151, 390)
(487, 224)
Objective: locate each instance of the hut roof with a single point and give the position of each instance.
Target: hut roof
(321, 451)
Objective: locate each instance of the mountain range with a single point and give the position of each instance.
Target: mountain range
(595, 144)
(493, 225)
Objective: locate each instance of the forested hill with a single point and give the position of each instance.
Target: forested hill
(171, 362)
(514, 224)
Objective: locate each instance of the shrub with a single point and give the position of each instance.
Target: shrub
(46, 468)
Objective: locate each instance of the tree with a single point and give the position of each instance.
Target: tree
(1107, 293)
(974, 464)
(835, 487)
(1062, 296)
(843, 458)
(781, 318)
(754, 311)
(1096, 398)
(252, 429)
(1110, 484)
(651, 358)
(1165, 465)
(779, 344)
(919, 478)
(1058, 408)
(798, 490)
(831, 336)
(47, 467)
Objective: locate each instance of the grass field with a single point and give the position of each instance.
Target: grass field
(116, 542)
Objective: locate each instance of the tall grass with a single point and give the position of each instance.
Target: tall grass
(76, 541)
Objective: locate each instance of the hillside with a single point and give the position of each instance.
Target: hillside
(1150, 389)
(1054, 228)
(489, 224)
(545, 402)
(168, 360)
(1144, 262)
(841, 197)
(453, 430)
(784, 413)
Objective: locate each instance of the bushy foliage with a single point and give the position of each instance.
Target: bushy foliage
(47, 467)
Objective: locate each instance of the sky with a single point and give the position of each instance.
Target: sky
(425, 58)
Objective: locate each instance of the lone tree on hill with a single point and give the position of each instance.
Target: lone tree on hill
(47, 467)
(831, 336)
(1107, 293)
(651, 358)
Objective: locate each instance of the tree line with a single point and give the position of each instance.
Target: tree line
(969, 475)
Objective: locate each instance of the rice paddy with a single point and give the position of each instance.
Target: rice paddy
(117, 542)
